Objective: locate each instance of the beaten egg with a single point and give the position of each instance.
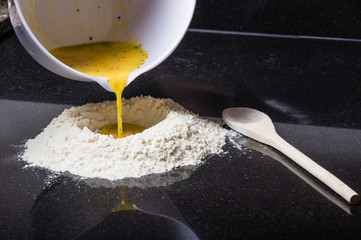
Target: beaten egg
(113, 61)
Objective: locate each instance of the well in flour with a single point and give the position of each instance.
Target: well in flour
(173, 137)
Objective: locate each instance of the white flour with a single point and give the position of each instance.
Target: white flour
(174, 137)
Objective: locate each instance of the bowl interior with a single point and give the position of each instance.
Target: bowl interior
(158, 25)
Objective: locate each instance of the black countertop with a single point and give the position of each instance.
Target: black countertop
(309, 87)
(334, 18)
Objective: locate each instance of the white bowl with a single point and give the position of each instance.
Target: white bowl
(42, 25)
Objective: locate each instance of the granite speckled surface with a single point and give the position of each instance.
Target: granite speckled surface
(311, 18)
(311, 88)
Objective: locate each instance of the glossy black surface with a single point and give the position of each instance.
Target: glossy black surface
(311, 88)
(332, 18)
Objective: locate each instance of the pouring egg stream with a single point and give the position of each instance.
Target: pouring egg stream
(113, 61)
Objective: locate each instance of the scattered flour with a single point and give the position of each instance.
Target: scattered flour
(174, 137)
(238, 140)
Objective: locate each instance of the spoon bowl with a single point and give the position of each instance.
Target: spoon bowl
(252, 123)
(42, 25)
(258, 126)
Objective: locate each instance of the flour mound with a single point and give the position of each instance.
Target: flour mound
(174, 137)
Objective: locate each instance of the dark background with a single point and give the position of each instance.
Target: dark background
(340, 19)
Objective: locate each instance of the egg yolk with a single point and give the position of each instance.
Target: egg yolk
(128, 129)
(113, 61)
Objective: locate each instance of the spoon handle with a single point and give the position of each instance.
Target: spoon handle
(316, 170)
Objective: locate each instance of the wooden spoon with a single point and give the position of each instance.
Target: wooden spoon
(257, 125)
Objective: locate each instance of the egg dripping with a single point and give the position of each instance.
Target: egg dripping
(113, 61)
